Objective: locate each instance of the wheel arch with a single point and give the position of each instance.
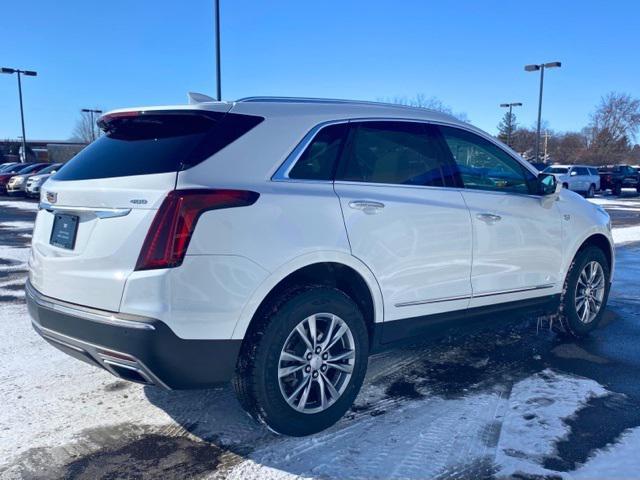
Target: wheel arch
(600, 241)
(340, 270)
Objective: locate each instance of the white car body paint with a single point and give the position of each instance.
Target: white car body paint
(426, 252)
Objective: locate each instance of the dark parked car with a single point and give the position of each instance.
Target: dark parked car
(617, 177)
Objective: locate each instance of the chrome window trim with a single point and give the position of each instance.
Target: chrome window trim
(282, 173)
(477, 295)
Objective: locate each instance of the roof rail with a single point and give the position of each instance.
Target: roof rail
(268, 99)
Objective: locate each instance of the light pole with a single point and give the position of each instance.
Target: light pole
(217, 27)
(29, 73)
(91, 111)
(535, 68)
(510, 107)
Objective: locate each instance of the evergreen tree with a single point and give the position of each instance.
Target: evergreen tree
(507, 125)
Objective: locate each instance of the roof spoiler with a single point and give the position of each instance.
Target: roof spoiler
(195, 97)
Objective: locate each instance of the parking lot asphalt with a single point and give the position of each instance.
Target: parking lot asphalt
(516, 400)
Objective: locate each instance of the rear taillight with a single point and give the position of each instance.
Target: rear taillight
(168, 237)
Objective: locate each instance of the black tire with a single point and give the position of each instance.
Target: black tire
(256, 381)
(565, 185)
(592, 191)
(616, 190)
(569, 321)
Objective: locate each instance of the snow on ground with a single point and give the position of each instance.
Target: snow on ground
(624, 235)
(617, 202)
(534, 422)
(22, 205)
(616, 461)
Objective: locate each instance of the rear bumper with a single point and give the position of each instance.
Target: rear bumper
(138, 349)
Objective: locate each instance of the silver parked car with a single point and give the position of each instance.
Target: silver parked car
(35, 182)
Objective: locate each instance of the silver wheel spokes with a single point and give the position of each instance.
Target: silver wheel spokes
(590, 292)
(316, 363)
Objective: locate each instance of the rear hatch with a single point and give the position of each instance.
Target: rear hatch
(96, 211)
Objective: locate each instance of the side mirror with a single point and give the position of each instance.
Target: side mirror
(548, 185)
(574, 173)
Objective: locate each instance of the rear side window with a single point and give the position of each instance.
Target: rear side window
(319, 159)
(138, 143)
(402, 153)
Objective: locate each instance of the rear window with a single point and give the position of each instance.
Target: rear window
(156, 142)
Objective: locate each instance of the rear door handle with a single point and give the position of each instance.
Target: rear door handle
(367, 206)
(489, 218)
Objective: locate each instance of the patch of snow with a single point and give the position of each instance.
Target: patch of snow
(625, 235)
(619, 460)
(535, 419)
(22, 205)
(17, 225)
(622, 202)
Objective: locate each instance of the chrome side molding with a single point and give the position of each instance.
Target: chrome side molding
(476, 295)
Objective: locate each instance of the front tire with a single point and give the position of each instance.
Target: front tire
(591, 192)
(304, 362)
(585, 293)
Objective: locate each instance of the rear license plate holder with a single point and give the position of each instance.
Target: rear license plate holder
(64, 231)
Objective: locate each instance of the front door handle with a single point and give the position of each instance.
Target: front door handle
(367, 206)
(488, 218)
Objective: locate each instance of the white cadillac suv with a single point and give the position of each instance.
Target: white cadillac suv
(278, 242)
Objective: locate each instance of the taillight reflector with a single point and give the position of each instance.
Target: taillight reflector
(168, 238)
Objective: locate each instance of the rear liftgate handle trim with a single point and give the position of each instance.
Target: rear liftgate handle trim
(98, 212)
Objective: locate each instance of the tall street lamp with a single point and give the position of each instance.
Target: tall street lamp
(218, 75)
(535, 68)
(29, 73)
(510, 107)
(91, 111)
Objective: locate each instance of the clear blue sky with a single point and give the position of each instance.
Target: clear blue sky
(469, 54)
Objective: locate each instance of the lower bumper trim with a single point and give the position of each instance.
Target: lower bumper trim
(146, 355)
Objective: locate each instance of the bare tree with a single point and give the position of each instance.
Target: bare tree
(613, 128)
(85, 131)
(432, 103)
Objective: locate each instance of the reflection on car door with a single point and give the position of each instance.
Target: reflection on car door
(402, 220)
(517, 246)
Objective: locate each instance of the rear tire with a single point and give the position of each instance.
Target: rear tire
(616, 190)
(318, 391)
(585, 293)
(592, 191)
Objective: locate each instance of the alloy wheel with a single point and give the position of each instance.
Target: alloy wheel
(316, 363)
(590, 290)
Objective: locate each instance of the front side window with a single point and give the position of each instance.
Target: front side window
(401, 153)
(485, 166)
(319, 159)
(581, 171)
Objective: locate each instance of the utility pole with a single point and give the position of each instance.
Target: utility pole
(218, 74)
(91, 111)
(535, 68)
(29, 73)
